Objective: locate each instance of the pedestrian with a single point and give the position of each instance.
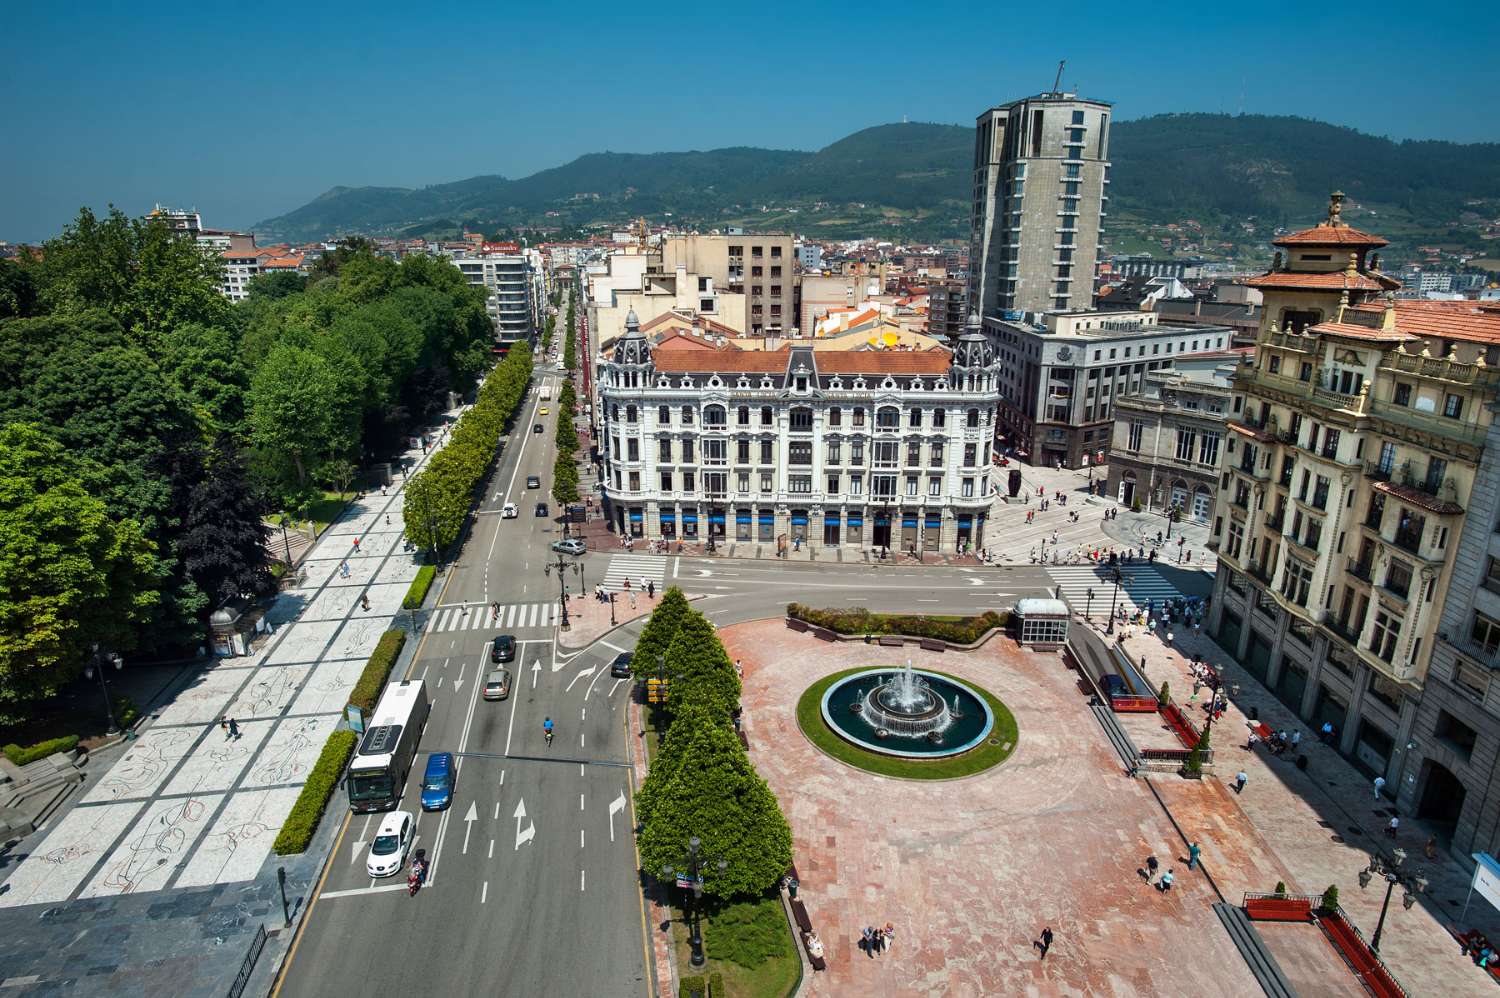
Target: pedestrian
(887, 935)
(739, 668)
(224, 724)
(387, 519)
(1151, 864)
(1165, 884)
(1240, 779)
(1430, 849)
(1044, 943)
(1390, 829)
(651, 589)
(1379, 786)
(356, 544)
(643, 582)
(868, 942)
(1194, 853)
(627, 585)
(879, 940)
(632, 599)
(234, 732)
(1296, 741)
(1325, 733)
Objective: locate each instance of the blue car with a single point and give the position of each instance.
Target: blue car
(439, 780)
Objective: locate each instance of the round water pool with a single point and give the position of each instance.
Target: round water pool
(907, 712)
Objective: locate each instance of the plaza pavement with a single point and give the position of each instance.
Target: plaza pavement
(969, 871)
(186, 806)
(1312, 828)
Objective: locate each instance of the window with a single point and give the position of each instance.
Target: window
(1133, 438)
(630, 414)
(1453, 406)
(665, 450)
(1376, 512)
(742, 482)
(687, 450)
(833, 485)
(687, 481)
(1275, 366)
(742, 415)
(1314, 534)
(1383, 641)
(1387, 458)
(1437, 469)
(1398, 578)
(883, 486)
(914, 451)
(1320, 493)
(971, 455)
(835, 452)
(887, 418)
(1186, 440)
(914, 417)
(1236, 538)
(1409, 530)
(666, 481)
(765, 451)
(765, 415)
(799, 484)
(632, 449)
(802, 419)
(713, 417)
(935, 454)
(687, 415)
(857, 453)
(856, 484)
(835, 416)
(886, 454)
(934, 486)
(799, 452)
(967, 488)
(971, 418)
(859, 416)
(1077, 117)
(1455, 734)
(742, 451)
(911, 485)
(1208, 449)
(1298, 578)
(1486, 633)
(939, 417)
(765, 483)
(663, 415)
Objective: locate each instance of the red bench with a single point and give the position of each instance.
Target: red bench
(1133, 705)
(1180, 725)
(1279, 909)
(1367, 966)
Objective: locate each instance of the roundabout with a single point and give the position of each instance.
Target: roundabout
(915, 724)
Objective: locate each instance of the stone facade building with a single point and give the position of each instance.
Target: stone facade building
(1357, 451)
(704, 441)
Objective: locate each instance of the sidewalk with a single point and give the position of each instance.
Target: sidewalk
(1310, 828)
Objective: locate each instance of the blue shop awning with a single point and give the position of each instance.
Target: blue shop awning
(635, 514)
(855, 520)
(669, 518)
(742, 518)
(799, 521)
(716, 518)
(768, 518)
(933, 522)
(908, 521)
(964, 519)
(689, 517)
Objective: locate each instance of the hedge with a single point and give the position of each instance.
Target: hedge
(297, 830)
(419, 586)
(957, 630)
(377, 670)
(21, 756)
(692, 987)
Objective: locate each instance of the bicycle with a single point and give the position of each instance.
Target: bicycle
(547, 730)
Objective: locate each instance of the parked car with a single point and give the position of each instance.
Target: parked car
(497, 684)
(439, 781)
(504, 648)
(620, 667)
(509, 512)
(533, 482)
(392, 842)
(570, 545)
(541, 509)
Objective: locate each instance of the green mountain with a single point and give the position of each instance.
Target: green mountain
(1237, 176)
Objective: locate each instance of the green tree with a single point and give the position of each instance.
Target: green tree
(656, 637)
(300, 409)
(223, 537)
(71, 573)
(700, 668)
(18, 299)
(564, 479)
(715, 794)
(205, 364)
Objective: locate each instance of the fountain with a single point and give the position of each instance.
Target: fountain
(909, 712)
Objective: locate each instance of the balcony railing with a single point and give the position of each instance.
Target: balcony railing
(1359, 570)
(1461, 432)
(1378, 472)
(1408, 540)
(1276, 522)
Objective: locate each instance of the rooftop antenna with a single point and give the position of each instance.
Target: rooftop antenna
(1058, 82)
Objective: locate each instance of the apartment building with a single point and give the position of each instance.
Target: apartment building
(1168, 439)
(947, 308)
(860, 448)
(505, 273)
(759, 266)
(1040, 192)
(1062, 371)
(1355, 474)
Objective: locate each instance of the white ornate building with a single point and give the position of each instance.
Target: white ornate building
(706, 442)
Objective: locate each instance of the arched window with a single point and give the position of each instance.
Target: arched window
(972, 419)
(887, 417)
(714, 416)
(630, 414)
(742, 415)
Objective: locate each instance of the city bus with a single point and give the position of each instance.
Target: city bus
(385, 753)
(547, 391)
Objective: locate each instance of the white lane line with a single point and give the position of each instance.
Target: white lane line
(580, 880)
(492, 849)
(365, 890)
(484, 892)
(497, 810)
(580, 739)
(463, 741)
(580, 802)
(616, 686)
(675, 563)
(580, 838)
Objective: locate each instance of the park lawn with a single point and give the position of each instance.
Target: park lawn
(995, 750)
(321, 512)
(750, 943)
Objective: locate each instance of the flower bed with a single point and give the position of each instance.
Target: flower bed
(954, 630)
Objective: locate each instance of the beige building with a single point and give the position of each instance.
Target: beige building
(761, 267)
(679, 292)
(1041, 176)
(824, 294)
(1355, 441)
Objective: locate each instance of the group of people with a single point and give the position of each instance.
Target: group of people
(1164, 883)
(877, 940)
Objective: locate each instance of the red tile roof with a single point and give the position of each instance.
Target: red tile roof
(720, 361)
(1251, 431)
(1471, 322)
(935, 361)
(1324, 234)
(735, 361)
(1418, 498)
(1352, 330)
(1335, 280)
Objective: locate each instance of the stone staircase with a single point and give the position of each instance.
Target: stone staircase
(31, 794)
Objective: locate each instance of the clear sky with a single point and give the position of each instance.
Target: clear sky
(247, 111)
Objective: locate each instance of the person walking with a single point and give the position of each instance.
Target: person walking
(868, 942)
(1296, 741)
(650, 589)
(1240, 779)
(887, 934)
(1194, 854)
(1390, 829)
(1166, 882)
(1151, 866)
(1044, 942)
(356, 545)
(1379, 786)
(234, 732)
(1325, 733)
(224, 724)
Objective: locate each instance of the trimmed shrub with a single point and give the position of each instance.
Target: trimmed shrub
(377, 670)
(962, 631)
(297, 831)
(1164, 695)
(1330, 900)
(1280, 889)
(125, 711)
(692, 987)
(419, 586)
(31, 753)
(716, 985)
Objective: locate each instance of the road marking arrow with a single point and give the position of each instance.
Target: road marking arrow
(520, 815)
(973, 581)
(536, 668)
(703, 573)
(469, 820)
(457, 685)
(615, 807)
(581, 673)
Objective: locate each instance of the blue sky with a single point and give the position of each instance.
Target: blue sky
(246, 112)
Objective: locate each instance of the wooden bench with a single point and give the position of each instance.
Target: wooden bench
(823, 634)
(1367, 966)
(1133, 705)
(891, 641)
(796, 625)
(932, 644)
(1279, 909)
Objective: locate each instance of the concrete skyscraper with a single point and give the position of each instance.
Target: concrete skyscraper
(1041, 182)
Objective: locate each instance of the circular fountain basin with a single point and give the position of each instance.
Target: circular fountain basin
(936, 718)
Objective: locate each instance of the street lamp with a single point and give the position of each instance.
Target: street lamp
(1120, 579)
(562, 566)
(96, 665)
(1088, 605)
(1412, 884)
(695, 884)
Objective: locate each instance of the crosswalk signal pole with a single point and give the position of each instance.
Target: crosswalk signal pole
(1119, 578)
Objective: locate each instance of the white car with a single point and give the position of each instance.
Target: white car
(509, 512)
(392, 842)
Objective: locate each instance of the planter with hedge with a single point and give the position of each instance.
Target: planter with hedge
(297, 831)
(377, 670)
(417, 594)
(958, 631)
(31, 753)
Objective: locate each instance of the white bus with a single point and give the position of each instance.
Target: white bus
(546, 391)
(385, 753)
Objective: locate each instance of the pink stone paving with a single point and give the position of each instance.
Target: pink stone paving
(970, 871)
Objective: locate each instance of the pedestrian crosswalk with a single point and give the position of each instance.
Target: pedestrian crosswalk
(635, 567)
(476, 617)
(1142, 582)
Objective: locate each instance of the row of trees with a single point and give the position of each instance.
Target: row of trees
(564, 470)
(181, 417)
(702, 782)
(570, 353)
(439, 497)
